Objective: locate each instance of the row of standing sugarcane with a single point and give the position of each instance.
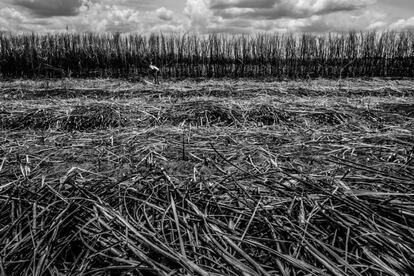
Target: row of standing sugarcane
(353, 54)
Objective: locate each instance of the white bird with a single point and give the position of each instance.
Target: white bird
(154, 71)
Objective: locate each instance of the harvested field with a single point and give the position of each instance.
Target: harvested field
(207, 177)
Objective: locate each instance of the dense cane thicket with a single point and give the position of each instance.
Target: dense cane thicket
(353, 54)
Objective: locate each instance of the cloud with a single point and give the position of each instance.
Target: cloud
(47, 8)
(10, 19)
(199, 14)
(339, 22)
(226, 4)
(276, 9)
(378, 25)
(164, 14)
(17, 21)
(241, 16)
(102, 17)
(91, 16)
(403, 24)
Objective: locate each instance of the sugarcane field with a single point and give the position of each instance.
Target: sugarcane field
(167, 154)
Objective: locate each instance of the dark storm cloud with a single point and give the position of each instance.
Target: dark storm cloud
(48, 8)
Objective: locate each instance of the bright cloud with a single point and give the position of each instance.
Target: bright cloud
(99, 17)
(11, 20)
(164, 14)
(404, 24)
(199, 14)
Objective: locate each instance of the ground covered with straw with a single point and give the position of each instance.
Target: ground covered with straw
(203, 177)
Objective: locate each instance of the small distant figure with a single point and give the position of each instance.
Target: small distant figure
(154, 71)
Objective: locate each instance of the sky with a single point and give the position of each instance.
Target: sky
(205, 16)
